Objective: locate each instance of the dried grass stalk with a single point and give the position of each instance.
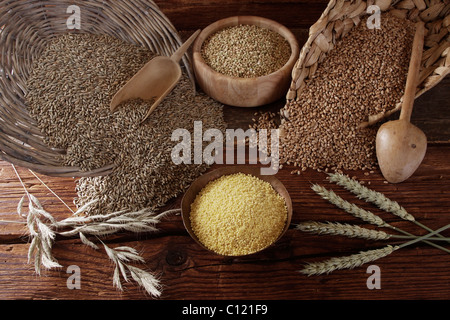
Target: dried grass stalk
(137, 222)
(122, 257)
(44, 228)
(42, 236)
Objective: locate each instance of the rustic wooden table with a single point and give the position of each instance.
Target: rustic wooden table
(189, 272)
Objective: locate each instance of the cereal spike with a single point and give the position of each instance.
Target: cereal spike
(339, 229)
(348, 262)
(351, 208)
(371, 196)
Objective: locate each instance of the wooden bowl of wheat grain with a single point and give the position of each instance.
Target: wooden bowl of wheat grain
(244, 91)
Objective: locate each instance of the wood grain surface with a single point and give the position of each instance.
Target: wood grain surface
(188, 15)
(189, 272)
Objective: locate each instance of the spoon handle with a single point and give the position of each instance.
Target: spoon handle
(178, 55)
(413, 73)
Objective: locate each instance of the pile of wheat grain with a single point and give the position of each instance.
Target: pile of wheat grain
(364, 74)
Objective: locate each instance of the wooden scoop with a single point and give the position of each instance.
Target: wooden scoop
(155, 80)
(401, 146)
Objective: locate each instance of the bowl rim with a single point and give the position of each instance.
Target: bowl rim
(204, 179)
(212, 28)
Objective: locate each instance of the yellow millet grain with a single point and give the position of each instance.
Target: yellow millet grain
(238, 214)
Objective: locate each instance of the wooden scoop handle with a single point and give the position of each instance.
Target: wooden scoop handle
(413, 73)
(178, 55)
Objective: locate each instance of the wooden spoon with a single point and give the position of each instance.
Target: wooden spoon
(401, 146)
(155, 80)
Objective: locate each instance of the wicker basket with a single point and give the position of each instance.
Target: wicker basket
(26, 27)
(341, 16)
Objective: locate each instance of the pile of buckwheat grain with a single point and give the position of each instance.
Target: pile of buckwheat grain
(364, 74)
(246, 51)
(69, 93)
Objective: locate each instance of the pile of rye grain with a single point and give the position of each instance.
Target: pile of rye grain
(69, 93)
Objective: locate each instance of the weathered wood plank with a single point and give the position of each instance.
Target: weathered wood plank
(188, 272)
(12, 191)
(426, 194)
(432, 112)
(190, 15)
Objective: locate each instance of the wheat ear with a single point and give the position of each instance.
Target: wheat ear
(376, 198)
(348, 262)
(338, 229)
(348, 207)
(371, 196)
(357, 260)
(364, 215)
(351, 231)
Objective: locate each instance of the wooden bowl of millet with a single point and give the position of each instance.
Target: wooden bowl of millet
(199, 184)
(239, 89)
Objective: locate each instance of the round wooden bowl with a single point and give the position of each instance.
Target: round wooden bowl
(244, 92)
(202, 181)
